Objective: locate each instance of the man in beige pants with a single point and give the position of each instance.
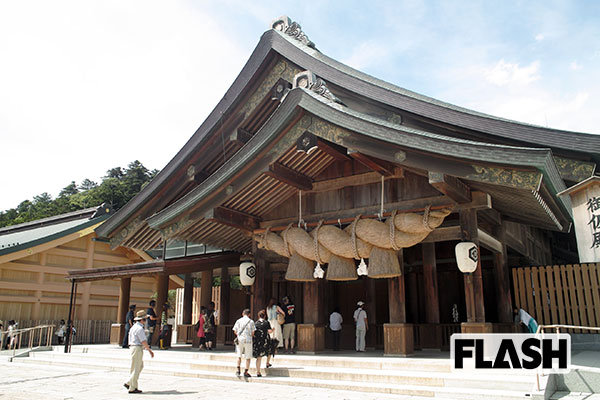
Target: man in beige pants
(137, 343)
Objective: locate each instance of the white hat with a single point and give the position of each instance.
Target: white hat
(360, 303)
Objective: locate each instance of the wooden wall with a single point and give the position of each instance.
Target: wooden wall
(34, 287)
(559, 294)
(410, 186)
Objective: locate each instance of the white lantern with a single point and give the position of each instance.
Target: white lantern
(247, 273)
(467, 256)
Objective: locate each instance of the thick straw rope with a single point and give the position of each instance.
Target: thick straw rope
(393, 231)
(317, 255)
(426, 218)
(266, 238)
(354, 249)
(285, 241)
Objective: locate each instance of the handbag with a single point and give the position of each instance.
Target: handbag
(280, 319)
(236, 341)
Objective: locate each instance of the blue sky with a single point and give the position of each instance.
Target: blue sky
(89, 85)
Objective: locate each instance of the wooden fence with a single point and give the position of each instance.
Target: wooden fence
(88, 332)
(559, 294)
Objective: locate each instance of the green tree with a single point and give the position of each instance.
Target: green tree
(69, 190)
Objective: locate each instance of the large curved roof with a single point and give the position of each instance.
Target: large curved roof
(275, 44)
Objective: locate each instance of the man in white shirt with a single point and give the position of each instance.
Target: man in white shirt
(335, 324)
(244, 330)
(137, 343)
(362, 326)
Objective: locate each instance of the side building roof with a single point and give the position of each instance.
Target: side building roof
(23, 236)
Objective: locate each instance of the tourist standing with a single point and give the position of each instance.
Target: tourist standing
(12, 335)
(128, 324)
(362, 326)
(275, 316)
(201, 333)
(165, 329)
(137, 342)
(335, 324)
(151, 321)
(210, 327)
(244, 330)
(261, 342)
(289, 325)
(61, 331)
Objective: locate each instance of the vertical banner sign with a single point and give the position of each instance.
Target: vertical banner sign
(585, 201)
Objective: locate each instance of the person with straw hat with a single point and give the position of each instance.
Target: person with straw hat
(360, 320)
(137, 342)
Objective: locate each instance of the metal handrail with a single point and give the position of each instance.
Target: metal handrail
(540, 329)
(18, 333)
(558, 326)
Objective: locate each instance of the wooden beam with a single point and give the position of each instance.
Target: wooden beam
(382, 167)
(352, 180)
(334, 150)
(230, 217)
(289, 176)
(489, 242)
(491, 216)
(480, 201)
(196, 174)
(452, 187)
(240, 137)
(443, 234)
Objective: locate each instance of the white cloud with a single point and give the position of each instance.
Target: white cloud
(575, 66)
(539, 37)
(504, 73)
(367, 54)
(86, 86)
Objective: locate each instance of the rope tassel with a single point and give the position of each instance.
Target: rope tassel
(362, 268)
(319, 273)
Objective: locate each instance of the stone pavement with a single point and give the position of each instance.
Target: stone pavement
(27, 381)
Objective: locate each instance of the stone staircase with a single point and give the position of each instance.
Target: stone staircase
(420, 377)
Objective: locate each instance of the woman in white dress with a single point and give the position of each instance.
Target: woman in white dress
(273, 310)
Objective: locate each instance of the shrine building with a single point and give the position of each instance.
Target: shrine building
(308, 166)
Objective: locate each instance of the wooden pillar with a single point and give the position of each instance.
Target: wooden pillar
(311, 333)
(124, 293)
(83, 310)
(432, 305)
(35, 312)
(473, 282)
(224, 299)
(162, 284)
(397, 334)
(206, 288)
(504, 299)
(259, 301)
(118, 330)
(188, 298)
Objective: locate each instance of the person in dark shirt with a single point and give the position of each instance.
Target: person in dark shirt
(128, 325)
(289, 325)
(210, 328)
(151, 321)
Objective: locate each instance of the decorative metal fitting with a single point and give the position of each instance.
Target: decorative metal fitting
(286, 25)
(310, 81)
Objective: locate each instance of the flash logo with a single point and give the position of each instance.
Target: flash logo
(517, 351)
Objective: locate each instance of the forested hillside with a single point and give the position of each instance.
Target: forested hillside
(118, 186)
